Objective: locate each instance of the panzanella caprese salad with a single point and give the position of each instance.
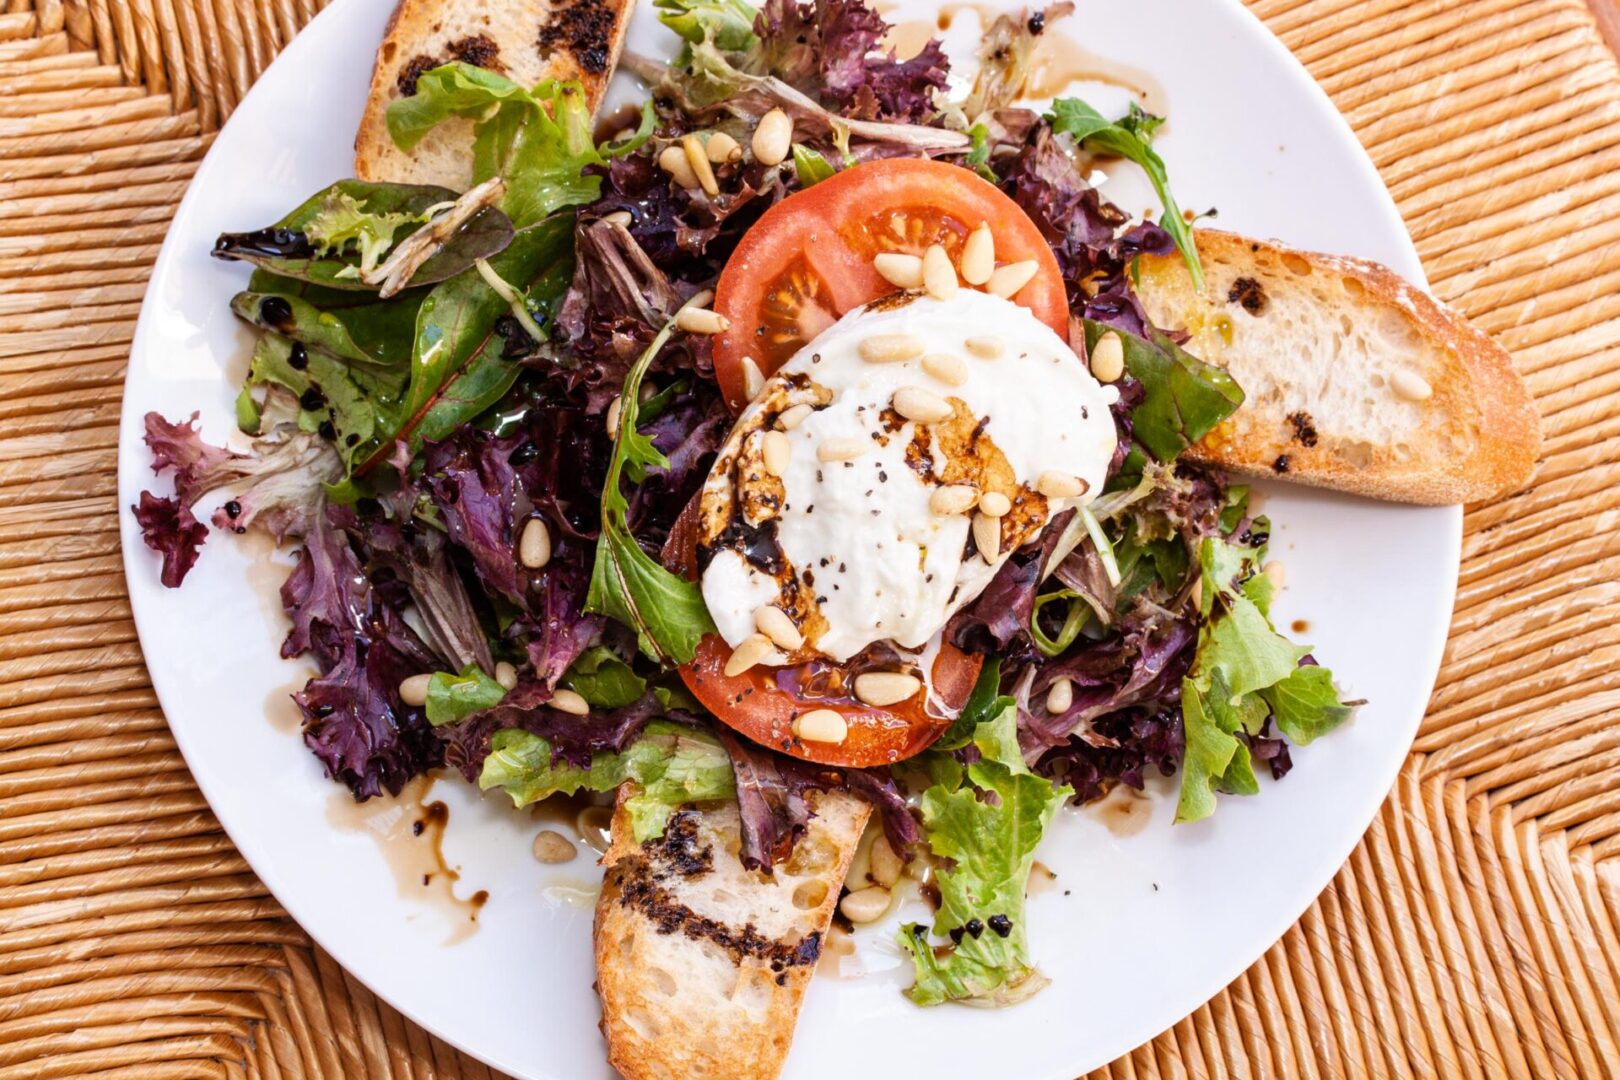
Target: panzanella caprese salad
(801, 433)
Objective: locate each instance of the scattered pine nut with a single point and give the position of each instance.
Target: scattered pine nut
(987, 537)
(553, 847)
(570, 702)
(775, 624)
(614, 410)
(922, 406)
(821, 725)
(534, 545)
(722, 149)
(621, 218)
(775, 451)
(698, 158)
(994, 504)
(753, 378)
(952, 499)
(701, 320)
(890, 348)
(979, 256)
(793, 416)
(673, 161)
(746, 656)
(939, 276)
(1009, 279)
(773, 138)
(948, 369)
(413, 691)
(1108, 358)
(900, 270)
(884, 866)
(883, 688)
(866, 905)
(506, 675)
(840, 449)
(1060, 485)
(985, 348)
(1060, 697)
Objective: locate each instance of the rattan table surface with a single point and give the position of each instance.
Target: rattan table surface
(1476, 930)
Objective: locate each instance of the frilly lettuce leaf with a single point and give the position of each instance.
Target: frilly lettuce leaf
(669, 764)
(986, 823)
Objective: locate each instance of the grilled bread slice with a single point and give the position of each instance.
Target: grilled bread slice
(701, 964)
(1354, 379)
(526, 40)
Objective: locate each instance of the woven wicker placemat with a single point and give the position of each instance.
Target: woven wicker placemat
(1476, 930)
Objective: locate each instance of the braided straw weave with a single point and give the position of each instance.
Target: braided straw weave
(1476, 930)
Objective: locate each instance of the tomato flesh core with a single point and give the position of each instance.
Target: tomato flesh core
(808, 260)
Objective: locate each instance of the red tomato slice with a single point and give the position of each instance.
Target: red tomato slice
(755, 705)
(808, 260)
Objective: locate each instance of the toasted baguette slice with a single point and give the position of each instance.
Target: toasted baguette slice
(1336, 356)
(526, 40)
(701, 964)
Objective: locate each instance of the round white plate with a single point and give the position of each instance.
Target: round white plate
(1137, 932)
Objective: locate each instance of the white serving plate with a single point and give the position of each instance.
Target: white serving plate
(1138, 930)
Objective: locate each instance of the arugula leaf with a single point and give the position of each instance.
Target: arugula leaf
(990, 843)
(538, 139)
(1185, 397)
(670, 765)
(602, 679)
(1243, 673)
(810, 165)
(452, 698)
(1305, 704)
(628, 585)
(1131, 138)
(727, 24)
(331, 236)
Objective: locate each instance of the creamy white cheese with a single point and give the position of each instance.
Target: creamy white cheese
(883, 565)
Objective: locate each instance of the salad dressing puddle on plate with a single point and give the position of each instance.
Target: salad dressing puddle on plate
(1124, 811)
(409, 833)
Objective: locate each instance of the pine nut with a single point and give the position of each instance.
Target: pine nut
(1060, 485)
(865, 905)
(775, 624)
(985, 348)
(414, 690)
(979, 256)
(698, 158)
(821, 725)
(1059, 697)
(773, 138)
(699, 320)
(885, 866)
(622, 218)
(1410, 385)
(890, 348)
(1108, 358)
(744, 657)
(952, 499)
(506, 675)
(646, 392)
(753, 378)
(1275, 571)
(948, 369)
(673, 161)
(775, 452)
(534, 545)
(840, 449)
(923, 406)
(570, 702)
(1009, 279)
(987, 537)
(994, 504)
(881, 688)
(939, 276)
(554, 847)
(722, 148)
(793, 416)
(701, 298)
(901, 271)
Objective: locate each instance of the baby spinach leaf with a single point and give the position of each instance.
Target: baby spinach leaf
(354, 224)
(452, 698)
(375, 333)
(628, 585)
(1185, 397)
(1131, 138)
(355, 402)
(984, 704)
(604, 680)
